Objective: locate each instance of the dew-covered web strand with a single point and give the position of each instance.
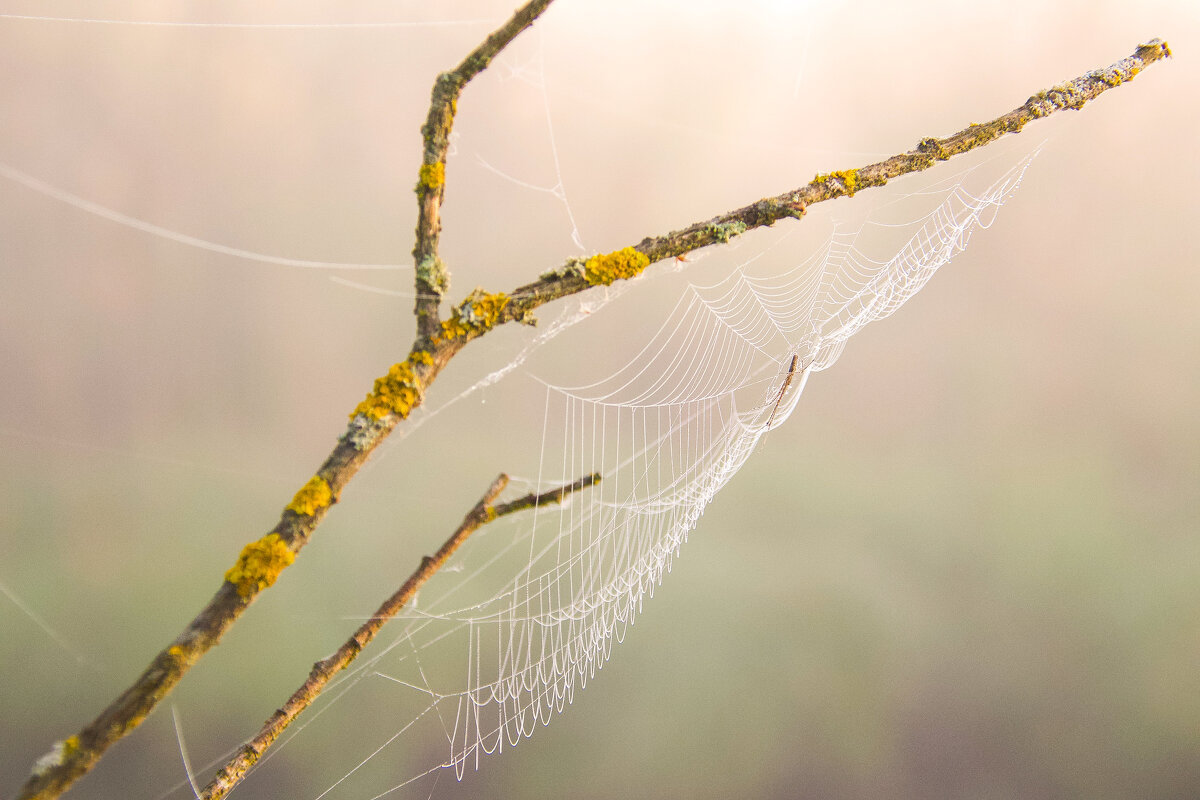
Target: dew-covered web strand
(113, 215)
(183, 751)
(143, 23)
(668, 443)
(577, 310)
(367, 288)
(584, 579)
(533, 73)
(46, 628)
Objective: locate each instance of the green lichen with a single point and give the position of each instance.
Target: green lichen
(312, 497)
(573, 268)
(604, 270)
(60, 751)
(397, 393)
(480, 311)
(430, 177)
(724, 231)
(433, 273)
(259, 565)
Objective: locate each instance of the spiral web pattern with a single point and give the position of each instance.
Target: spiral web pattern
(667, 432)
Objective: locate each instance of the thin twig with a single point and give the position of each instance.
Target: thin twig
(400, 391)
(324, 671)
(574, 276)
(432, 279)
(262, 561)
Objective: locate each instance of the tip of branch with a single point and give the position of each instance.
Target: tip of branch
(495, 489)
(1153, 49)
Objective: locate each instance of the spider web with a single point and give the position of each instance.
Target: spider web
(531, 614)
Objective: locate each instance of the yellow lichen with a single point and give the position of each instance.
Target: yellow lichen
(175, 652)
(618, 265)
(486, 308)
(431, 176)
(454, 328)
(479, 312)
(260, 564)
(421, 357)
(848, 177)
(69, 746)
(312, 497)
(395, 393)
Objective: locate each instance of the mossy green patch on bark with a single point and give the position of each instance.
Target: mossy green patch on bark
(433, 273)
(724, 231)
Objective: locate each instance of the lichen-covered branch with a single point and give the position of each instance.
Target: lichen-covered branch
(396, 394)
(324, 671)
(261, 561)
(576, 276)
(432, 279)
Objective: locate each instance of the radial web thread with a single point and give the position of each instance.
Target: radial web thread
(667, 432)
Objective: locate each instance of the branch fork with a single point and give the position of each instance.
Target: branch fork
(438, 340)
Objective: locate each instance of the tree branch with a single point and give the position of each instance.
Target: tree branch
(402, 389)
(323, 671)
(432, 279)
(576, 275)
(261, 561)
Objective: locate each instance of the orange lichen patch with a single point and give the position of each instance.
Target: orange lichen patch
(312, 497)
(397, 393)
(260, 564)
(618, 265)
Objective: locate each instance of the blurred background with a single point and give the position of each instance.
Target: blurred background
(967, 566)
